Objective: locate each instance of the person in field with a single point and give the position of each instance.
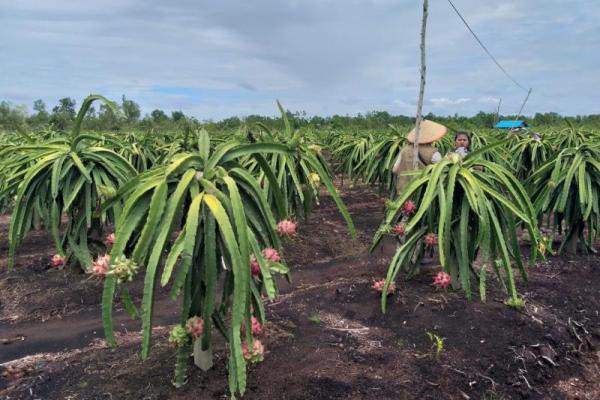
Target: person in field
(462, 141)
(430, 133)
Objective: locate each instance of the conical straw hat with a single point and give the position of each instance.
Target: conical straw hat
(430, 132)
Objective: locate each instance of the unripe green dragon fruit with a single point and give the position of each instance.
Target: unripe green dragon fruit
(178, 336)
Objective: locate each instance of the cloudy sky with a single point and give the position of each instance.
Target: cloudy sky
(214, 59)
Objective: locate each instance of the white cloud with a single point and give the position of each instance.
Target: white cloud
(324, 57)
(447, 101)
(488, 100)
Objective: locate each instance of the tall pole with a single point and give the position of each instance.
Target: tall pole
(421, 88)
(523, 105)
(497, 118)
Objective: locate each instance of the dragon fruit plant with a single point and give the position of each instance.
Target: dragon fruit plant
(462, 208)
(565, 190)
(351, 153)
(66, 175)
(372, 158)
(294, 188)
(228, 237)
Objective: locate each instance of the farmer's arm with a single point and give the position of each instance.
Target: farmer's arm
(436, 157)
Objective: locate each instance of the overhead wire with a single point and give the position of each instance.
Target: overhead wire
(486, 49)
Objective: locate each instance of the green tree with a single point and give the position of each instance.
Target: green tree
(63, 114)
(11, 117)
(108, 119)
(177, 116)
(131, 110)
(158, 116)
(41, 117)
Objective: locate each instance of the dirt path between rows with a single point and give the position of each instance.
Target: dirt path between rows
(327, 337)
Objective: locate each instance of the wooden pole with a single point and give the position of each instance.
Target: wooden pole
(523, 105)
(497, 112)
(421, 88)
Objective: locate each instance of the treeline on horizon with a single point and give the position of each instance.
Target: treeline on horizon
(129, 118)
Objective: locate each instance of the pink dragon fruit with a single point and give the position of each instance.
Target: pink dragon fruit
(254, 266)
(257, 328)
(110, 239)
(271, 254)
(195, 326)
(286, 228)
(58, 261)
(101, 264)
(399, 230)
(430, 240)
(442, 280)
(379, 285)
(408, 208)
(257, 354)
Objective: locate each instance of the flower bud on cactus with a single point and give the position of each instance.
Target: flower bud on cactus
(442, 280)
(543, 245)
(124, 269)
(314, 179)
(430, 240)
(58, 261)
(286, 228)
(257, 354)
(109, 240)
(178, 336)
(399, 230)
(454, 157)
(380, 284)
(254, 266)
(195, 326)
(101, 264)
(408, 208)
(107, 192)
(315, 148)
(271, 254)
